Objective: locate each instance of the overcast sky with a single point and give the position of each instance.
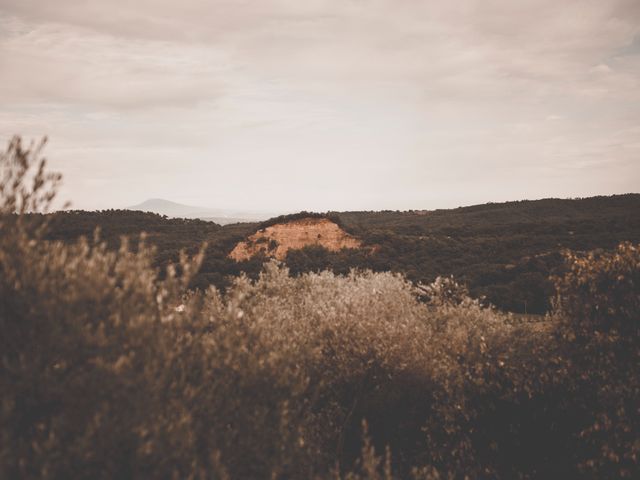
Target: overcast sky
(285, 105)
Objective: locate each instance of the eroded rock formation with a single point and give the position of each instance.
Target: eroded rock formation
(276, 240)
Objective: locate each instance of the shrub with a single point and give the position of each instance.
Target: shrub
(598, 309)
(113, 369)
(84, 337)
(601, 288)
(444, 291)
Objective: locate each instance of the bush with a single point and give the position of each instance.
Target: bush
(601, 289)
(598, 309)
(111, 368)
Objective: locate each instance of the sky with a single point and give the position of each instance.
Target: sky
(288, 105)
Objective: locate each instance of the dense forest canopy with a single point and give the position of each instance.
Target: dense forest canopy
(502, 251)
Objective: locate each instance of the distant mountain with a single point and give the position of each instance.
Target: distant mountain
(178, 210)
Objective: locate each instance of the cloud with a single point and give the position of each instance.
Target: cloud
(58, 64)
(442, 102)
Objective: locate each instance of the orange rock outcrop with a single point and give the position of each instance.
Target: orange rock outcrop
(276, 240)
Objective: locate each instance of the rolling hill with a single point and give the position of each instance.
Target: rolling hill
(502, 251)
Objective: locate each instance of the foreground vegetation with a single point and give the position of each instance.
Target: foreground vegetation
(112, 369)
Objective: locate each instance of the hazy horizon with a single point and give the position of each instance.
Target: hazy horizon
(285, 106)
(265, 214)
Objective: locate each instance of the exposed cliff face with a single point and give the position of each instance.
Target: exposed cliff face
(276, 240)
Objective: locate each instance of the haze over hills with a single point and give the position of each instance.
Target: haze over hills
(217, 215)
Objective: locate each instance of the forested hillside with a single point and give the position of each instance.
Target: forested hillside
(503, 251)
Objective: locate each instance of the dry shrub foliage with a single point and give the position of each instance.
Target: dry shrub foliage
(362, 376)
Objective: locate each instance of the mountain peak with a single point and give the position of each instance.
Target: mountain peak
(160, 203)
(169, 208)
